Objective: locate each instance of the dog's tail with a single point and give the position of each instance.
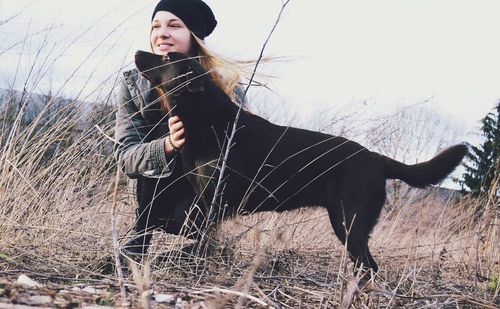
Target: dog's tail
(426, 173)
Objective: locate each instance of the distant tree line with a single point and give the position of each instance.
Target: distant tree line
(32, 116)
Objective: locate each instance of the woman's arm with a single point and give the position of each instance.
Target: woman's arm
(135, 156)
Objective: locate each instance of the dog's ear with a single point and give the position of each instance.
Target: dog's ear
(149, 65)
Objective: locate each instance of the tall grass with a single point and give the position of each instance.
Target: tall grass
(56, 188)
(55, 158)
(55, 194)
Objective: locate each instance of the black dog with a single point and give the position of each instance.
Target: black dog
(272, 167)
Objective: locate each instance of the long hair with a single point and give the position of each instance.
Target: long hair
(229, 74)
(225, 73)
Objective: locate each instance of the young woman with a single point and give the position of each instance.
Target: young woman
(147, 138)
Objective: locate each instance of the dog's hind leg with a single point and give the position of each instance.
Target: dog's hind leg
(352, 235)
(353, 214)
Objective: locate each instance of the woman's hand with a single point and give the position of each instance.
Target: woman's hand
(176, 140)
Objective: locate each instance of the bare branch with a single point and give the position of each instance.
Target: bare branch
(218, 188)
(114, 233)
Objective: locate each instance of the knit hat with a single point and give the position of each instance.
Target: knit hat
(195, 14)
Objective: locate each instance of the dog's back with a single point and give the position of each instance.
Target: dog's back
(282, 168)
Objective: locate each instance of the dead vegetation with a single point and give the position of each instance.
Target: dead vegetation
(56, 200)
(433, 251)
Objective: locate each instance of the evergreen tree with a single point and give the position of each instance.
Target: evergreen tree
(482, 163)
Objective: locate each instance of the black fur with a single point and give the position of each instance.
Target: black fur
(273, 167)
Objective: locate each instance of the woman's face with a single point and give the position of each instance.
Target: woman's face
(169, 33)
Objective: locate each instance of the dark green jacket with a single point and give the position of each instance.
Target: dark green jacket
(141, 128)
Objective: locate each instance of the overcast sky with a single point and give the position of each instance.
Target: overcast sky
(385, 52)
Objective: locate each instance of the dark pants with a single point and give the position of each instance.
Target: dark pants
(165, 203)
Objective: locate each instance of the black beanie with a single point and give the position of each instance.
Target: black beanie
(195, 14)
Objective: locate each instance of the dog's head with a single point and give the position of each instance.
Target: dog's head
(175, 73)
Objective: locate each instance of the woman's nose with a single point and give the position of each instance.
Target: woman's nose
(164, 32)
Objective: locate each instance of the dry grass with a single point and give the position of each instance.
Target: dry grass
(56, 226)
(56, 198)
(432, 253)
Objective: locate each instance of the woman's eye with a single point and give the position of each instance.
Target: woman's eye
(175, 25)
(155, 26)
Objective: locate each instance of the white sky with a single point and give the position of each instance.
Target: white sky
(385, 52)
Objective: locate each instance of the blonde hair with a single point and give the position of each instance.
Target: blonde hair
(225, 73)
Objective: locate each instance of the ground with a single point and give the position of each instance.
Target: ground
(433, 253)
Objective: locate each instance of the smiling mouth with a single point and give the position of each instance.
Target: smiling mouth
(164, 46)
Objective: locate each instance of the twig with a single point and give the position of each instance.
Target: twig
(468, 298)
(219, 186)
(287, 296)
(226, 291)
(107, 135)
(351, 290)
(259, 290)
(114, 233)
(320, 284)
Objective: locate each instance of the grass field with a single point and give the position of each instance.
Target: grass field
(434, 251)
(57, 195)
